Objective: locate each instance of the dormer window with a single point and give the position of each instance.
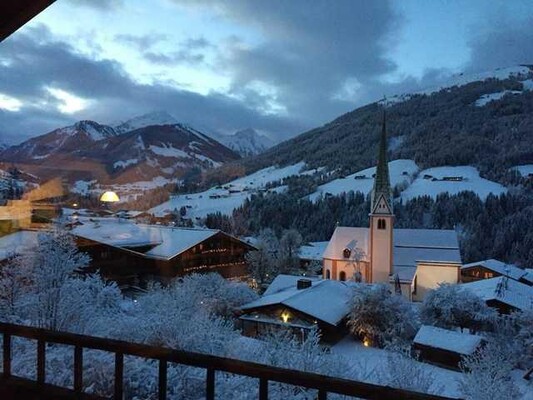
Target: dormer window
(346, 253)
(382, 224)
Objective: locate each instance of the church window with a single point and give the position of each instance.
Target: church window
(346, 253)
(382, 224)
(328, 274)
(342, 276)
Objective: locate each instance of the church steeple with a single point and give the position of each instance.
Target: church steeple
(381, 198)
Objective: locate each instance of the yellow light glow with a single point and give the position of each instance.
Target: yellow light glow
(285, 316)
(75, 205)
(109, 197)
(366, 342)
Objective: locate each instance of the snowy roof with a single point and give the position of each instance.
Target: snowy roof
(283, 282)
(347, 237)
(508, 291)
(17, 242)
(501, 268)
(462, 343)
(410, 245)
(168, 242)
(310, 301)
(313, 250)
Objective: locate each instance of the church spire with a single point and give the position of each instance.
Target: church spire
(382, 188)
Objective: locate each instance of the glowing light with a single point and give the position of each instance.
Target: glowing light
(285, 316)
(366, 342)
(69, 102)
(74, 204)
(109, 197)
(9, 103)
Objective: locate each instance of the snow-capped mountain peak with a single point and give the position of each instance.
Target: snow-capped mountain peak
(142, 121)
(247, 142)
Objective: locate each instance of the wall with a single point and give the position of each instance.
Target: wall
(430, 275)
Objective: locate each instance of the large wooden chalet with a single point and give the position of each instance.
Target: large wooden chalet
(133, 254)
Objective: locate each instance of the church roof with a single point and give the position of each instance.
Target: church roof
(382, 185)
(410, 247)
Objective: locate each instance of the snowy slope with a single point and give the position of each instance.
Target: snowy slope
(226, 198)
(247, 142)
(487, 98)
(431, 182)
(401, 172)
(524, 170)
(154, 118)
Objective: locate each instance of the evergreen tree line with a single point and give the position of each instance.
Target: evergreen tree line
(500, 227)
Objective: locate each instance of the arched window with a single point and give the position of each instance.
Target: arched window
(382, 224)
(328, 274)
(346, 253)
(342, 276)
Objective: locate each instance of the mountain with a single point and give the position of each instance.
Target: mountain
(483, 120)
(90, 154)
(150, 119)
(247, 142)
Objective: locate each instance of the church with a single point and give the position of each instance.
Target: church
(413, 261)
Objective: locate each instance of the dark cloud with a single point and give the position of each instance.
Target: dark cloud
(36, 61)
(141, 42)
(507, 43)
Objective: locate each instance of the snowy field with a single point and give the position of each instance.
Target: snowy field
(487, 98)
(524, 170)
(431, 182)
(401, 171)
(227, 197)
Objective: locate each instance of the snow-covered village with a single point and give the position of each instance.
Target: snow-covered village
(266, 200)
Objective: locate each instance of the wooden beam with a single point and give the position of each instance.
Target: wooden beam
(15, 13)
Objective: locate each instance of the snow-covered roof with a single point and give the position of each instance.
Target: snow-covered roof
(17, 242)
(501, 268)
(505, 290)
(347, 238)
(462, 343)
(326, 300)
(411, 246)
(283, 282)
(313, 250)
(168, 242)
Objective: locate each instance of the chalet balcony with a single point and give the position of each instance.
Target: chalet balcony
(12, 387)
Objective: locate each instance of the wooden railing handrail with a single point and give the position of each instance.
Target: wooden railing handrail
(212, 363)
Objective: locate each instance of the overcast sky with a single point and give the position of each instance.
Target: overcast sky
(278, 66)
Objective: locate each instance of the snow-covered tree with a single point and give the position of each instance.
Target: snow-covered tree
(263, 261)
(379, 316)
(289, 244)
(487, 374)
(451, 306)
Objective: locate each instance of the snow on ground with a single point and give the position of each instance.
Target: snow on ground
(370, 361)
(432, 182)
(124, 164)
(524, 170)
(527, 84)
(227, 197)
(487, 98)
(168, 151)
(401, 171)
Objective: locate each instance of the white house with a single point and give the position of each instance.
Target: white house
(413, 260)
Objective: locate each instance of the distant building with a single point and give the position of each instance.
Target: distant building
(133, 254)
(487, 269)
(503, 293)
(414, 260)
(17, 243)
(444, 347)
(297, 304)
(311, 252)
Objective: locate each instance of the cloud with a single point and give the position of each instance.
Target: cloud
(141, 42)
(36, 61)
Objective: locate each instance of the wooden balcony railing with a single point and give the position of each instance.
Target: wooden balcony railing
(265, 374)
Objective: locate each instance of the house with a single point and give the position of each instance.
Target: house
(416, 260)
(444, 347)
(311, 252)
(17, 243)
(297, 304)
(133, 254)
(487, 269)
(503, 293)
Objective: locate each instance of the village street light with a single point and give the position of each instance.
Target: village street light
(109, 197)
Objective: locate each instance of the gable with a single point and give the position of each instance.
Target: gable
(382, 206)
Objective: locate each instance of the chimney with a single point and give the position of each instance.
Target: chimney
(303, 284)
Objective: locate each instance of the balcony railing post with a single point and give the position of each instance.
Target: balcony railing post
(119, 375)
(41, 361)
(162, 389)
(210, 384)
(7, 355)
(322, 394)
(263, 389)
(78, 369)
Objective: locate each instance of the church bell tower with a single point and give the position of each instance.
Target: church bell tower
(381, 217)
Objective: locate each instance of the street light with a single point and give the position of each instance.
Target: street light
(109, 197)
